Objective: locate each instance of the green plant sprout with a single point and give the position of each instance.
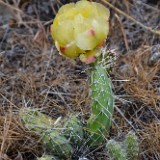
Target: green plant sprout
(116, 151)
(124, 151)
(132, 146)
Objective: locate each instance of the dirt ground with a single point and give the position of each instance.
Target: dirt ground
(33, 74)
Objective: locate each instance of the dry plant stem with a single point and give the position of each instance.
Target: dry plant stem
(148, 6)
(5, 133)
(123, 32)
(10, 6)
(18, 13)
(102, 103)
(131, 18)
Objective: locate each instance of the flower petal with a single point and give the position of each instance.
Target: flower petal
(101, 28)
(102, 11)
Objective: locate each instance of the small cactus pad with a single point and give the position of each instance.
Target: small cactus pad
(116, 150)
(132, 146)
(102, 103)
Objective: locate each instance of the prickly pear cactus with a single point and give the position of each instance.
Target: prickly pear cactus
(116, 151)
(132, 146)
(52, 138)
(80, 30)
(102, 103)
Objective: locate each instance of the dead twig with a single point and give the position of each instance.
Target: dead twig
(131, 18)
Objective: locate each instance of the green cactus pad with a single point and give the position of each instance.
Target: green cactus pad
(57, 143)
(73, 129)
(102, 104)
(51, 137)
(35, 120)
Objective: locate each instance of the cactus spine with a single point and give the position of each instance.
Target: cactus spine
(102, 103)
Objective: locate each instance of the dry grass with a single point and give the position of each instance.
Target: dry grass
(142, 79)
(32, 74)
(151, 140)
(14, 138)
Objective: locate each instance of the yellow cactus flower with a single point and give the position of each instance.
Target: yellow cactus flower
(80, 28)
